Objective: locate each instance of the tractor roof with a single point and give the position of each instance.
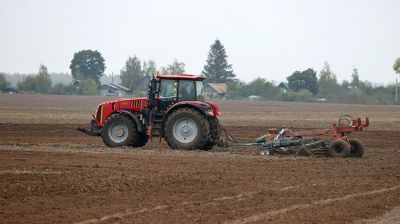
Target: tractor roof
(181, 76)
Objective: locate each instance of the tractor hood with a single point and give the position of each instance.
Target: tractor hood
(122, 101)
(107, 108)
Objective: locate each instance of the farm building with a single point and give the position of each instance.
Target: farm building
(283, 87)
(215, 90)
(144, 84)
(112, 89)
(9, 90)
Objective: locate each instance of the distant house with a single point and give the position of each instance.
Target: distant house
(144, 84)
(112, 89)
(255, 97)
(219, 90)
(284, 87)
(9, 90)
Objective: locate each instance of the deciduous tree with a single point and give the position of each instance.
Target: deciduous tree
(327, 82)
(396, 65)
(132, 73)
(43, 81)
(3, 82)
(149, 68)
(87, 64)
(304, 80)
(175, 68)
(38, 83)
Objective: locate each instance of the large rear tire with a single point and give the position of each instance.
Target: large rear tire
(186, 128)
(356, 148)
(339, 148)
(142, 140)
(119, 130)
(215, 133)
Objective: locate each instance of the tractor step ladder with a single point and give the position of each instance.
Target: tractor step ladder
(157, 122)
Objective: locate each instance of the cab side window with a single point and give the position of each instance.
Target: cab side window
(187, 90)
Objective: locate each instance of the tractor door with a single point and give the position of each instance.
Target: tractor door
(168, 93)
(186, 90)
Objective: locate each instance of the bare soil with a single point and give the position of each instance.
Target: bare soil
(50, 173)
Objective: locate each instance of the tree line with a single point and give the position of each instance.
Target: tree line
(309, 86)
(88, 66)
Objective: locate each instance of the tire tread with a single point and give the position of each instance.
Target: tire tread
(203, 129)
(132, 130)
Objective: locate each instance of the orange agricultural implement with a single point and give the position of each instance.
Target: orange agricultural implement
(334, 141)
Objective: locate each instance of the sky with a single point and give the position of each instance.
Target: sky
(267, 39)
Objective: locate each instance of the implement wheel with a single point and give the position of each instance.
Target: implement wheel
(356, 148)
(339, 148)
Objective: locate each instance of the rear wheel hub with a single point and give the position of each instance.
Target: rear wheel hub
(185, 130)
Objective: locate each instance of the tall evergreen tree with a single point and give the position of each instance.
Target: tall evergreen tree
(217, 68)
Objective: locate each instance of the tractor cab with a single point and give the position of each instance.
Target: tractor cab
(167, 90)
(170, 94)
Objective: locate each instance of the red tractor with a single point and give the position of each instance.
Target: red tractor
(174, 109)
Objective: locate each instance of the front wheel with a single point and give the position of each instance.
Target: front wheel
(187, 129)
(119, 130)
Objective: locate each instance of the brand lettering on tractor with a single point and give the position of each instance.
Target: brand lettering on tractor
(135, 104)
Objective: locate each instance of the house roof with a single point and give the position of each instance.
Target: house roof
(181, 76)
(121, 87)
(218, 87)
(283, 85)
(117, 86)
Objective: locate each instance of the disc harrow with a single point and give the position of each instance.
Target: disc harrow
(334, 141)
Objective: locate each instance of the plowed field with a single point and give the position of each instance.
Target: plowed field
(50, 173)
